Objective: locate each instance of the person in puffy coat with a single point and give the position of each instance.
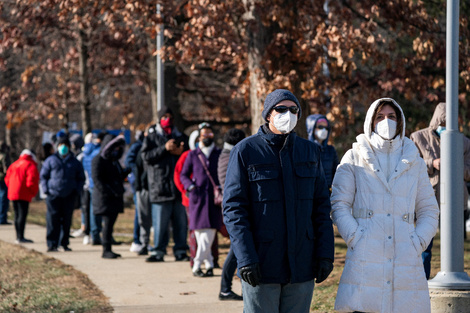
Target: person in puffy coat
(22, 179)
(319, 129)
(386, 211)
(108, 177)
(62, 178)
(277, 212)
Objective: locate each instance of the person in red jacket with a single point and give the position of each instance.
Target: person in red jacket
(22, 179)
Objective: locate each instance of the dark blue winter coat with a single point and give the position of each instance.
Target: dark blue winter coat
(131, 159)
(277, 207)
(89, 152)
(329, 157)
(62, 176)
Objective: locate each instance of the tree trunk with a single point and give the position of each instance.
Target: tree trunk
(258, 37)
(153, 80)
(84, 85)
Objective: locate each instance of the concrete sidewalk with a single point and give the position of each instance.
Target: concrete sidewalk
(133, 285)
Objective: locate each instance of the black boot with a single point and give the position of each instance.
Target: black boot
(108, 254)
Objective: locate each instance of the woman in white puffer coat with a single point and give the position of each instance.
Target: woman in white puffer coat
(386, 211)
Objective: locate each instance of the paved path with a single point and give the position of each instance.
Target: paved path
(133, 285)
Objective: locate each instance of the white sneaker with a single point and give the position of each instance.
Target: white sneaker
(135, 247)
(86, 240)
(77, 233)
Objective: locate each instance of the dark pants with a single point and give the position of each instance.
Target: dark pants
(230, 266)
(4, 203)
(108, 226)
(426, 255)
(21, 208)
(86, 210)
(58, 219)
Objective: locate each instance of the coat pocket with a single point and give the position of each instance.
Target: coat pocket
(306, 175)
(264, 183)
(416, 243)
(358, 234)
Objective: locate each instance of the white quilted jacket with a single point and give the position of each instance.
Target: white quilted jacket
(385, 209)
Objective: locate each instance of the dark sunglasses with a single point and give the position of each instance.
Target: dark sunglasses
(322, 127)
(283, 109)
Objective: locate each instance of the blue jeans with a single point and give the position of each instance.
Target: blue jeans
(277, 298)
(229, 268)
(96, 222)
(136, 222)
(4, 203)
(427, 255)
(162, 214)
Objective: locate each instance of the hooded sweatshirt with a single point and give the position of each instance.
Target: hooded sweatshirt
(429, 145)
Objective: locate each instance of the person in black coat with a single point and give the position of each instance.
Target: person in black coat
(108, 177)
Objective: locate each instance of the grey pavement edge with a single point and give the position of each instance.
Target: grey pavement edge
(131, 284)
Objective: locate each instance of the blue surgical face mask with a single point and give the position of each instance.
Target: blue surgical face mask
(440, 129)
(63, 150)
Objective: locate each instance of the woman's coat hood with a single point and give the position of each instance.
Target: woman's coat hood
(109, 143)
(368, 127)
(311, 121)
(439, 116)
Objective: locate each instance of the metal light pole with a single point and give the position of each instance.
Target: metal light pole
(160, 66)
(452, 275)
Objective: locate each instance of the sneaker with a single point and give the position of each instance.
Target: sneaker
(65, 249)
(154, 258)
(209, 272)
(96, 242)
(198, 273)
(230, 296)
(136, 247)
(86, 240)
(6, 223)
(116, 243)
(52, 249)
(77, 233)
(143, 251)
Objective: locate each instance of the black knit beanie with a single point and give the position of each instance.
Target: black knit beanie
(275, 97)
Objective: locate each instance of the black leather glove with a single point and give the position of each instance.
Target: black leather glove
(251, 274)
(323, 268)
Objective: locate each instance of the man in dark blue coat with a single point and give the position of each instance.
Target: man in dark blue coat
(277, 212)
(62, 178)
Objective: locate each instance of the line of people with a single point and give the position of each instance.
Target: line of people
(281, 196)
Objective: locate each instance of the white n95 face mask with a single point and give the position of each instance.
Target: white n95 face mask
(321, 133)
(285, 122)
(386, 128)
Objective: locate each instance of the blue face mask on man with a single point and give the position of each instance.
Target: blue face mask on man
(63, 150)
(440, 129)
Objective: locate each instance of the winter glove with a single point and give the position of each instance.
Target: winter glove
(323, 268)
(251, 274)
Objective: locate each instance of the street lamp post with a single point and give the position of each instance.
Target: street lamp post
(452, 275)
(160, 66)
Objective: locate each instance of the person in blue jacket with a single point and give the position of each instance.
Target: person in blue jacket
(62, 178)
(130, 162)
(277, 211)
(91, 150)
(319, 130)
